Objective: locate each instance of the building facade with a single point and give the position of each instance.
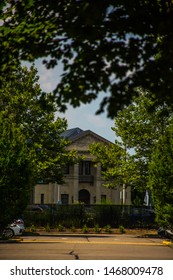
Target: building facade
(83, 181)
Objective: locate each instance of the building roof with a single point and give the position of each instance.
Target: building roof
(76, 133)
(72, 133)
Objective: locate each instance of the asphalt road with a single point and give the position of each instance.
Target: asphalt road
(110, 247)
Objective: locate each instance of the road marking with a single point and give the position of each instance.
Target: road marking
(167, 242)
(164, 243)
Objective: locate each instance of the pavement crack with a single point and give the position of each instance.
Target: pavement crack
(75, 255)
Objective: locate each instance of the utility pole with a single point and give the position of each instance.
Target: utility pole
(125, 176)
(57, 186)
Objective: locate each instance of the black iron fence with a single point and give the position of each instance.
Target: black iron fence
(79, 215)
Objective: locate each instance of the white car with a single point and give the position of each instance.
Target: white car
(167, 233)
(15, 228)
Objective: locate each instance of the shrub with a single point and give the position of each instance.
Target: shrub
(32, 228)
(60, 228)
(108, 229)
(73, 229)
(85, 229)
(122, 229)
(97, 229)
(47, 228)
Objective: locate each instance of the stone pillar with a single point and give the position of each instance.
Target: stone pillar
(98, 183)
(124, 194)
(57, 193)
(52, 193)
(76, 182)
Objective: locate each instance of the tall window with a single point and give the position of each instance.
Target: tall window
(85, 168)
(42, 198)
(81, 168)
(64, 198)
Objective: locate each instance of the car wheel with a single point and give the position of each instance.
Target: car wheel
(8, 232)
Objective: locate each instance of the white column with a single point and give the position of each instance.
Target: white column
(56, 194)
(76, 182)
(124, 194)
(98, 183)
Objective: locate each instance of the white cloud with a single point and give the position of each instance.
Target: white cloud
(96, 120)
(48, 78)
(84, 117)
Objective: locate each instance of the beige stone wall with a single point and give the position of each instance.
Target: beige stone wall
(52, 192)
(43, 189)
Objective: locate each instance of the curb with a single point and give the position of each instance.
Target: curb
(17, 240)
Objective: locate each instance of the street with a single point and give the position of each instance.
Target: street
(67, 247)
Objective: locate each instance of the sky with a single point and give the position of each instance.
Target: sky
(84, 116)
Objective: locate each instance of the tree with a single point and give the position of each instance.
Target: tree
(109, 156)
(31, 145)
(22, 99)
(105, 46)
(161, 179)
(16, 172)
(116, 165)
(137, 132)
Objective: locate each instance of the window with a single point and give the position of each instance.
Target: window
(81, 168)
(64, 198)
(85, 168)
(42, 198)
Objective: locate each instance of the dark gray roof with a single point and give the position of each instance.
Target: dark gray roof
(75, 133)
(71, 133)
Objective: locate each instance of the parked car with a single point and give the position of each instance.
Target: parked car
(34, 208)
(15, 228)
(141, 212)
(44, 207)
(166, 233)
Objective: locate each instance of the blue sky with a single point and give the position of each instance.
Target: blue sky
(84, 116)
